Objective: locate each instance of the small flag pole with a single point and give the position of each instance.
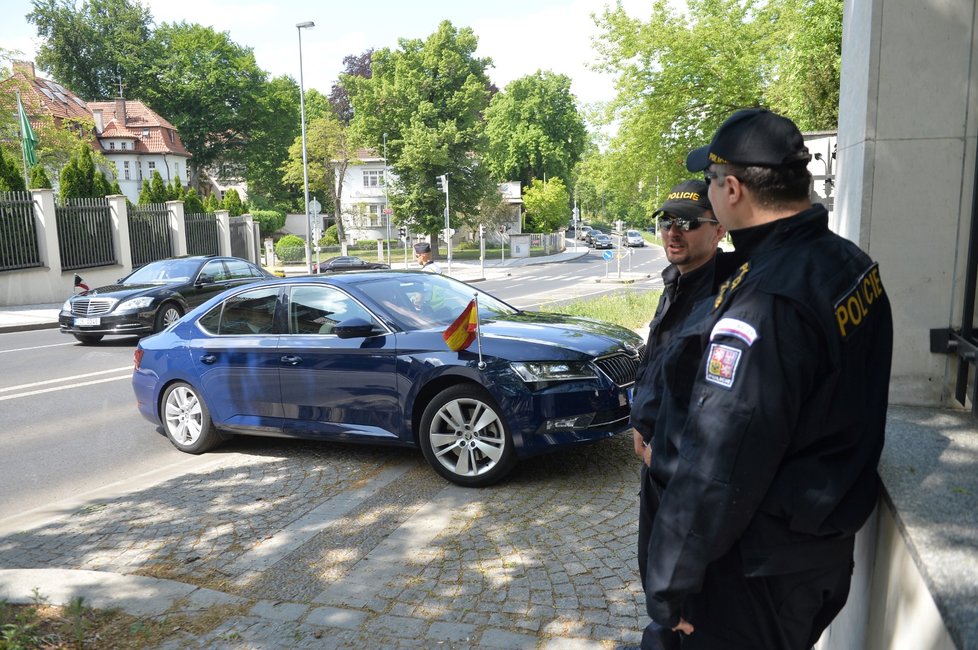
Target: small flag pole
(478, 332)
(23, 139)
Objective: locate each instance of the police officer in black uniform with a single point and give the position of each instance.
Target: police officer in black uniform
(772, 418)
(690, 234)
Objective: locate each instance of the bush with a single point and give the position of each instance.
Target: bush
(269, 221)
(467, 246)
(291, 248)
(330, 238)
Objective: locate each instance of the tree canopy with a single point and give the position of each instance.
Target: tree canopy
(428, 96)
(546, 205)
(534, 129)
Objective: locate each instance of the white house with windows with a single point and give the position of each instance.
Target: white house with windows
(137, 142)
(366, 210)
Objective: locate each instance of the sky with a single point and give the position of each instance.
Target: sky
(519, 36)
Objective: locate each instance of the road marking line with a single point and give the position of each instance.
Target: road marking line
(39, 347)
(56, 388)
(63, 379)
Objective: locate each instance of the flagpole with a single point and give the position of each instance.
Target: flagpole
(23, 136)
(478, 332)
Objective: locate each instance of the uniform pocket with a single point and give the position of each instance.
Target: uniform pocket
(714, 436)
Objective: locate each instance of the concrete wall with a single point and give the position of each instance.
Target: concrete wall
(907, 138)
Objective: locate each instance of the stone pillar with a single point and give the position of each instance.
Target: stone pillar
(178, 227)
(119, 209)
(47, 230)
(223, 232)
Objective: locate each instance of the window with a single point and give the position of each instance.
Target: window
(172, 138)
(176, 169)
(238, 269)
(123, 146)
(139, 170)
(145, 132)
(126, 169)
(213, 271)
(111, 146)
(251, 312)
(373, 178)
(375, 215)
(152, 166)
(318, 309)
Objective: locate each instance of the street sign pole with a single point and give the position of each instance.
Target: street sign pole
(316, 226)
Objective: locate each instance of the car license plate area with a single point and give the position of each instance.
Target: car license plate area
(88, 322)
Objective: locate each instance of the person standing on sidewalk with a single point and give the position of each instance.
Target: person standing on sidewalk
(773, 412)
(690, 234)
(422, 252)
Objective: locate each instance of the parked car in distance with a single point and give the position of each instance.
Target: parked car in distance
(582, 232)
(602, 240)
(634, 238)
(594, 232)
(360, 357)
(347, 263)
(153, 296)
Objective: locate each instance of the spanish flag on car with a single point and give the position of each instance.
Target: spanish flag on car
(460, 334)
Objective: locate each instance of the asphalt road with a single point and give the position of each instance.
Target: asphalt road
(70, 428)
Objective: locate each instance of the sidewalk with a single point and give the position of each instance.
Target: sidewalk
(24, 318)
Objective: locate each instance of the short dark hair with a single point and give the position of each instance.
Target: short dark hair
(773, 187)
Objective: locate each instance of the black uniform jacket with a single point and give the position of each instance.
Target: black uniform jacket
(773, 413)
(680, 293)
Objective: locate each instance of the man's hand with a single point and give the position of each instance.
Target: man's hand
(639, 443)
(684, 626)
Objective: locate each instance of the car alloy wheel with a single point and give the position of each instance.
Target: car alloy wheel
(465, 437)
(167, 315)
(187, 420)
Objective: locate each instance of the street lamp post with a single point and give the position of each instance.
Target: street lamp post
(305, 162)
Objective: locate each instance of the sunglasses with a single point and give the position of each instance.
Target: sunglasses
(683, 223)
(709, 175)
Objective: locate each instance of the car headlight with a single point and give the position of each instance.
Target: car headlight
(134, 304)
(67, 306)
(544, 372)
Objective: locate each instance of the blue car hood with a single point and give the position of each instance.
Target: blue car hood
(544, 335)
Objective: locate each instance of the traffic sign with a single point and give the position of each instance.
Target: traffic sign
(388, 211)
(314, 207)
(607, 255)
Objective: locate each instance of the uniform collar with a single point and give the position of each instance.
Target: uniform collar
(748, 241)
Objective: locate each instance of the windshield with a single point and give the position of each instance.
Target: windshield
(426, 300)
(164, 272)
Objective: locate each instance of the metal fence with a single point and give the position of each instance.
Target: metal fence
(85, 234)
(18, 232)
(149, 233)
(239, 237)
(201, 233)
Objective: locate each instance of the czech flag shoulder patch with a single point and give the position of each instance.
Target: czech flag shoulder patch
(735, 328)
(721, 365)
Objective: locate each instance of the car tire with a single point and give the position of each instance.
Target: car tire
(88, 339)
(465, 437)
(166, 315)
(187, 420)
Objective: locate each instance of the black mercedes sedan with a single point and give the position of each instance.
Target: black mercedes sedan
(347, 263)
(153, 296)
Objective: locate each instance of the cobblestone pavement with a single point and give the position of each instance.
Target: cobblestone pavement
(337, 546)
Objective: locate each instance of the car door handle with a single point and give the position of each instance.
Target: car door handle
(292, 359)
(208, 358)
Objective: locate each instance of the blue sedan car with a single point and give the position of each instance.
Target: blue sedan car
(360, 357)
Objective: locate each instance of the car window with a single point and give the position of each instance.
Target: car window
(249, 312)
(316, 309)
(213, 271)
(164, 272)
(239, 269)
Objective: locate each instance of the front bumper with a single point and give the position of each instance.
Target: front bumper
(135, 324)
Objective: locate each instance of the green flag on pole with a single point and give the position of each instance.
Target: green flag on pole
(29, 140)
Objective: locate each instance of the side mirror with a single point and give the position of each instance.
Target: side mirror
(353, 328)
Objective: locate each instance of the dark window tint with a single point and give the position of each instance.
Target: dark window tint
(317, 310)
(251, 312)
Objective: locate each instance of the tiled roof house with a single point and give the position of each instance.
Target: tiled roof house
(133, 138)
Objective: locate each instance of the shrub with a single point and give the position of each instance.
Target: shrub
(330, 238)
(291, 248)
(467, 246)
(269, 221)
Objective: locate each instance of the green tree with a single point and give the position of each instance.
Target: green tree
(269, 221)
(534, 129)
(88, 47)
(232, 203)
(192, 203)
(193, 66)
(39, 177)
(11, 180)
(546, 205)
(81, 178)
(158, 190)
(269, 138)
(428, 96)
(211, 204)
(328, 154)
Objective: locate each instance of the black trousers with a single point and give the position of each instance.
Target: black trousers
(738, 612)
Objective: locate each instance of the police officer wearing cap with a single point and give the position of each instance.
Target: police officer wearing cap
(690, 234)
(422, 252)
(773, 410)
